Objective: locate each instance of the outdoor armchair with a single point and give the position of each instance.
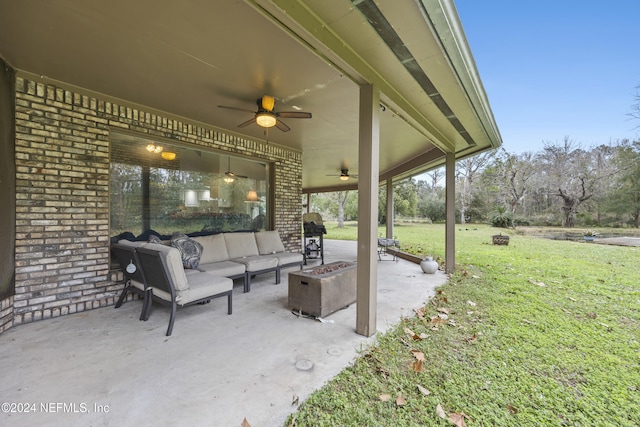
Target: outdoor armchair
(170, 285)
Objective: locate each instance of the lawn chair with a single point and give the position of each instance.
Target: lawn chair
(171, 286)
(134, 279)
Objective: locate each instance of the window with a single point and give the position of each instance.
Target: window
(167, 188)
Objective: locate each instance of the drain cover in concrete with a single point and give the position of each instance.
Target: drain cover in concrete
(304, 365)
(334, 351)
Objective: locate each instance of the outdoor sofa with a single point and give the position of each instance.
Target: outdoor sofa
(236, 255)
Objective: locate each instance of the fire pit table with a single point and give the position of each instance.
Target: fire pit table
(322, 290)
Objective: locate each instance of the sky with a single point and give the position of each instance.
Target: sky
(556, 69)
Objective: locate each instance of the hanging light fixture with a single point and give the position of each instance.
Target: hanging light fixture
(229, 176)
(168, 155)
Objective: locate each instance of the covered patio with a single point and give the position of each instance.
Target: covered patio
(391, 86)
(105, 367)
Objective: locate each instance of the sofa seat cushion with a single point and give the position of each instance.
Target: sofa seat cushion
(214, 248)
(258, 262)
(201, 285)
(285, 258)
(224, 268)
(137, 285)
(241, 245)
(269, 242)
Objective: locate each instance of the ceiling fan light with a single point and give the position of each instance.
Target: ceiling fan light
(266, 120)
(152, 148)
(268, 102)
(344, 177)
(228, 179)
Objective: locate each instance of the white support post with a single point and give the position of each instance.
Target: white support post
(368, 176)
(450, 213)
(390, 209)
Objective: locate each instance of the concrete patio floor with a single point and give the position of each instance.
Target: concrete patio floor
(106, 368)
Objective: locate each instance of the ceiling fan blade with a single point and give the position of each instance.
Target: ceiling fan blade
(237, 109)
(294, 114)
(283, 127)
(247, 123)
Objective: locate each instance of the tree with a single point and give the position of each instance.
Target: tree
(569, 175)
(516, 171)
(635, 108)
(467, 170)
(625, 199)
(341, 199)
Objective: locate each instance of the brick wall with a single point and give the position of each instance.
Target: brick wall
(62, 193)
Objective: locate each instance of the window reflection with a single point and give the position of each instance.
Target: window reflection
(191, 190)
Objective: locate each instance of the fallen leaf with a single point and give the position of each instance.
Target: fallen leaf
(295, 400)
(423, 390)
(572, 299)
(420, 312)
(424, 336)
(245, 423)
(437, 320)
(440, 412)
(384, 397)
(534, 282)
(417, 366)
(400, 401)
(512, 409)
(418, 355)
(412, 334)
(383, 372)
(457, 418)
(443, 316)
(475, 277)
(443, 310)
(592, 315)
(471, 303)
(472, 339)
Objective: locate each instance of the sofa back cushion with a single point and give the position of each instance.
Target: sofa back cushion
(269, 242)
(241, 244)
(173, 260)
(214, 248)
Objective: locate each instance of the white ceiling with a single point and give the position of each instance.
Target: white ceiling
(185, 58)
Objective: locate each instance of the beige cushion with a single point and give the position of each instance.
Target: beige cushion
(201, 285)
(285, 258)
(137, 285)
(174, 265)
(214, 248)
(125, 242)
(258, 262)
(223, 268)
(268, 242)
(240, 245)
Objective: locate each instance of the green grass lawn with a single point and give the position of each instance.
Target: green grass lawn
(537, 333)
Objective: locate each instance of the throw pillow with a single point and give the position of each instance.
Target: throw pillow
(154, 239)
(189, 249)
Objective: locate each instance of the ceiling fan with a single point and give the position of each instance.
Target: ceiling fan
(344, 175)
(266, 117)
